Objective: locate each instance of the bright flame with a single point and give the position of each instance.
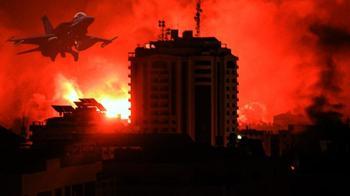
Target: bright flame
(116, 106)
(71, 94)
(67, 89)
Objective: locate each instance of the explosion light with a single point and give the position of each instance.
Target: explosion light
(117, 107)
(70, 93)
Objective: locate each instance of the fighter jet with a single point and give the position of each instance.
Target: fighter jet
(68, 37)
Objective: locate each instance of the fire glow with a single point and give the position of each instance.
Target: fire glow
(280, 66)
(117, 105)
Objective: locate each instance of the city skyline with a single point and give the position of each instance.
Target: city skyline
(200, 97)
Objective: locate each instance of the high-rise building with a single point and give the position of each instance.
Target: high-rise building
(185, 85)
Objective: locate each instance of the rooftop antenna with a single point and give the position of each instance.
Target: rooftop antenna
(161, 25)
(197, 18)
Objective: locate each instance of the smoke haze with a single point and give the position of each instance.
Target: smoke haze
(290, 52)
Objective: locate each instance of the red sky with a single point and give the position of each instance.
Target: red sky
(281, 56)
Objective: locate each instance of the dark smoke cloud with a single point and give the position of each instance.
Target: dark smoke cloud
(323, 112)
(326, 109)
(331, 38)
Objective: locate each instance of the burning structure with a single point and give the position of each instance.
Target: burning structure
(185, 85)
(87, 119)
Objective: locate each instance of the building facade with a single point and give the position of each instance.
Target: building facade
(58, 180)
(185, 85)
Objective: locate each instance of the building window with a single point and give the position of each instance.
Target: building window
(67, 191)
(77, 190)
(159, 64)
(203, 62)
(230, 65)
(202, 71)
(58, 192)
(46, 193)
(200, 79)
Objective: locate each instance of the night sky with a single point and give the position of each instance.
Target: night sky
(291, 53)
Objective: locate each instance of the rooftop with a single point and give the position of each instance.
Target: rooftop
(187, 45)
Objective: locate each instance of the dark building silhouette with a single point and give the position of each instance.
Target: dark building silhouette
(274, 143)
(285, 120)
(9, 140)
(172, 164)
(185, 85)
(51, 177)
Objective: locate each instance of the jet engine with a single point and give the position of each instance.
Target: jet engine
(85, 43)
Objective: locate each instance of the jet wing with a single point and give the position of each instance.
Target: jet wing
(104, 41)
(38, 40)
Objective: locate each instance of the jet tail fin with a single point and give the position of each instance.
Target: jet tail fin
(28, 51)
(47, 25)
